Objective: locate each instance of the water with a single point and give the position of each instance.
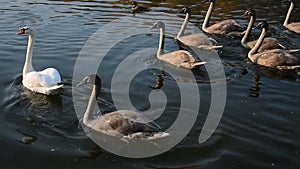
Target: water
(259, 127)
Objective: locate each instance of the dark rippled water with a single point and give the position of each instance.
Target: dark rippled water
(260, 123)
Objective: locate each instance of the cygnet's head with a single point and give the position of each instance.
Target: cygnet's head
(92, 79)
(158, 25)
(249, 12)
(185, 10)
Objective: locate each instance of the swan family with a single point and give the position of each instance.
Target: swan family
(264, 51)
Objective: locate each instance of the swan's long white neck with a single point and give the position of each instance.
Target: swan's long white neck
(184, 24)
(88, 115)
(208, 15)
(258, 44)
(160, 50)
(287, 18)
(248, 31)
(28, 61)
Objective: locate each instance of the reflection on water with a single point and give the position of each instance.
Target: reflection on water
(259, 127)
(159, 81)
(254, 90)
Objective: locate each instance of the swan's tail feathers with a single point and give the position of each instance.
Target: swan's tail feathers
(53, 90)
(283, 47)
(147, 135)
(213, 41)
(199, 64)
(60, 86)
(293, 50)
(60, 83)
(158, 135)
(208, 47)
(289, 67)
(56, 87)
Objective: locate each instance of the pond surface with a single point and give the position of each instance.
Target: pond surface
(260, 123)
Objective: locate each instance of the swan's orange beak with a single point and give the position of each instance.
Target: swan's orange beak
(21, 32)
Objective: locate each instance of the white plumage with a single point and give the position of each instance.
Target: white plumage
(46, 81)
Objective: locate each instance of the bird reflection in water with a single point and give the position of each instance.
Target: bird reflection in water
(264, 72)
(254, 90)
(159, 80)
(42, 107)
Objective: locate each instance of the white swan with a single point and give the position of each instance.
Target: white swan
(276, 58)
(295, 26)
(268, 43)
(179, 58)
(199, 40)
(47, 81)
(226, 27)
(124, 123)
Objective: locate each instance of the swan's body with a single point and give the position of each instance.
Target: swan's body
(199, 40)
(47, 81)
(268, 43)
(277, 58)
(226, 27)
(125, 123)
(295, 26)
(179, 58)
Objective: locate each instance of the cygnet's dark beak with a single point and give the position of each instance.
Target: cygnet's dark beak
(153, 27)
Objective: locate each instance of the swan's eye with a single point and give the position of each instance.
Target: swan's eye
(23, 30)
(90, 81)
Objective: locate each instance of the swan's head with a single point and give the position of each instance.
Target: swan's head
(92, 79)
(249, 12)
(263, 24)
(25, 31)
(292, 1)
(185, 10)
(158, 25)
